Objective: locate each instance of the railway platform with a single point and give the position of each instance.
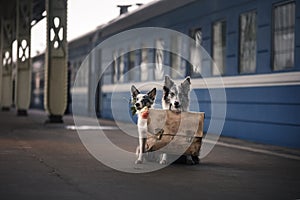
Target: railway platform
(48, 161)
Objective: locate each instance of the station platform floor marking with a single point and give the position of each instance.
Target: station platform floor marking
(256, 150)
(223, 144)
(86, 127)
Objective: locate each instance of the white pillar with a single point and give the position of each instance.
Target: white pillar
(55, 96)
(23, 76)
(6, 63)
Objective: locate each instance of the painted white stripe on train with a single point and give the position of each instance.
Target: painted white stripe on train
(255, 150)
(261, 80)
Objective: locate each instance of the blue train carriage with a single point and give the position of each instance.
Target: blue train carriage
(80, 65)
(256, 46)
(257, 53)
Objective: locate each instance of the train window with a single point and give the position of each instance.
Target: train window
(219, 47)
(283, 36)
(195, 52)
(115, 70)
(143, 65)
(159, 59)
(121, 67)
(178, 69)
(247, 49)
(82, 80)
(131, 64)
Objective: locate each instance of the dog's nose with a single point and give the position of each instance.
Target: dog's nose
(176, 103)
(137, 104)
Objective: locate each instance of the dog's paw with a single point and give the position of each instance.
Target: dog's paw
(189, 160)
(138, 161)
(196, 159)
(163, 162)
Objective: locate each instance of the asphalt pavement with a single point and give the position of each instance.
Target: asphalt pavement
(49, 161)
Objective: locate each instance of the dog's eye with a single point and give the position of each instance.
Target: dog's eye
(137, 99)
(172, 94)
(144, 97)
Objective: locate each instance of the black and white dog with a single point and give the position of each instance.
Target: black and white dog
(142, 102)
(177, 98)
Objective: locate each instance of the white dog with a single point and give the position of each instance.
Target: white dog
(142, 102)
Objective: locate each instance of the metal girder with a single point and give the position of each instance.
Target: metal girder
(55, 96)
(6, 62)
(8, 9)
(23, 75)
(16, 16)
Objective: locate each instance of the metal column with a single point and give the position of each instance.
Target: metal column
(6, 64)
(56, 60)
(1, 63)
(23, 76)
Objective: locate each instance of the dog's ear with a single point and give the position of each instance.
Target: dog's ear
(152, 93)
(134, 91)
(186, 83)
(168, 81)
(188, 79)
(166, 89)
(166, 92)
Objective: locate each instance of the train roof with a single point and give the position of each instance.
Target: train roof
(129, 19)
(144, 12)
